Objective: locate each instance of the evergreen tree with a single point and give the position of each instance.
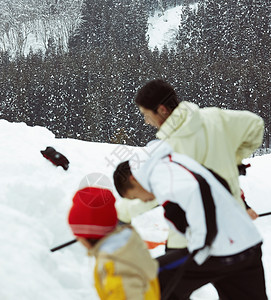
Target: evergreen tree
(224, 44)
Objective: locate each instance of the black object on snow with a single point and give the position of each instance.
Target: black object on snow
(55, 157)
(265, 214)
(63, 245)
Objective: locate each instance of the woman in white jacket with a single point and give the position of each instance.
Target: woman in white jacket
(222, 240)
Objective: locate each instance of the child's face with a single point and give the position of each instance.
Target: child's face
(138, 192)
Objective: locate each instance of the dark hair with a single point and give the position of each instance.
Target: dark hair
(157, 92)
(121, 178)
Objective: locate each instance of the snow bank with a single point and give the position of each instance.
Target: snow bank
(35, 197)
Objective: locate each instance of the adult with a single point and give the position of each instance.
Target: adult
(218, 139)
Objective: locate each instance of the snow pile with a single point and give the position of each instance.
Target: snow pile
(35, 197)
(34, 200)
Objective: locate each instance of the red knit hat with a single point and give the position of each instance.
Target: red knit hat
(93, 213)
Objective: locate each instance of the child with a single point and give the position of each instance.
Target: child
(224, 246)
(124, 268)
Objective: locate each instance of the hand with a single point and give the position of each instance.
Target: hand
(252, 213)
(242, 169)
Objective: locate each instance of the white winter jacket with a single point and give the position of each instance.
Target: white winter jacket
(214, 222)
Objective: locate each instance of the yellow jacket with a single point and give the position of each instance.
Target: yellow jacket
(124, 268)
(218, 139)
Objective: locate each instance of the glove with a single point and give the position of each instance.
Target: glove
(242, 169)
(55, 157)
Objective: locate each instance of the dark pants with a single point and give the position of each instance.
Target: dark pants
(236, 278)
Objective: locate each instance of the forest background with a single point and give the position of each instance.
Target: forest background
(95, 55)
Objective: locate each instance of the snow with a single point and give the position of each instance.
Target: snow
(163, 28)
(35, 197)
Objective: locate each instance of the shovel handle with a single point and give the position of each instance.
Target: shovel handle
(265, 214)
(63, 245)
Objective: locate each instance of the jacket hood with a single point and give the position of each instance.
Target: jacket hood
(187, 115)
(133, 252)
(144, 162)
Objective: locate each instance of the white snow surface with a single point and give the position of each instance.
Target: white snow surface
(35, 197)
